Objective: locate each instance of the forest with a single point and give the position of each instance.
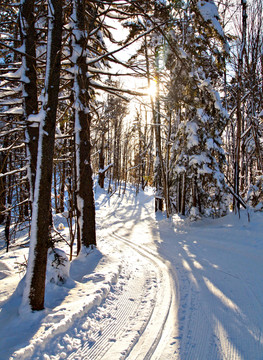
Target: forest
(150, 93)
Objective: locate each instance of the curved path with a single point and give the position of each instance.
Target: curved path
(155, 334)
(140, 310)
(134, 322)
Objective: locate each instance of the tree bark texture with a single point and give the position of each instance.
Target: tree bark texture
(85, 196)
(239, 111)
(28, 36)
(39, 242)
(102, 162)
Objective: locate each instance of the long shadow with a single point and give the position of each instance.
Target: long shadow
(131, 214)
(131, 211)
(18, 330)
(212, 297)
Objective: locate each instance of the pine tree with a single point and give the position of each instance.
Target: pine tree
(198, 186)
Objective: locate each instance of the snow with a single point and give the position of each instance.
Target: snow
(192, 137)
(58, 266)
(15, 75)
(13, 172)
(13, 111)
(106, 168)
(154, 288)
(209, 12)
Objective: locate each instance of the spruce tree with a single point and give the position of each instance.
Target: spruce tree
(195, 62)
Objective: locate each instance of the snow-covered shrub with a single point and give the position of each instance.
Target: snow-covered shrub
(255, 194)
(57, 266)
(194, 214)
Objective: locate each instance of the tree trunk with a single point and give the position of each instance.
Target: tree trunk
(183, 199)
(157, 129)
(239, 112)
(85, 197)
(102, 162)
(28, 36)
(40, 233)
(62, 187)
(9, 199)
(55, 187)
(3, 161)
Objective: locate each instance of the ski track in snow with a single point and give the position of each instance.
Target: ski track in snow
(131, 322)
(220, 315)
(217, 270)
(189, 291)
(152, 340)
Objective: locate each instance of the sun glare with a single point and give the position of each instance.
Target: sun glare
(152, 89)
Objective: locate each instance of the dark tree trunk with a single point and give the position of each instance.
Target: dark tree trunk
(28, 36)
(9, 181)
(85, 197)
(55, 188)
(102, 162)
(158, 144)
(62, 187)
(2, 186)
(183, 200)
(239, 112)
(40, 233)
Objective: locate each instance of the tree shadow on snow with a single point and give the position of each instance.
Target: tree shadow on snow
(16, 331)
(219, 312)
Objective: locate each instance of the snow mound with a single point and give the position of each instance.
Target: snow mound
(58, 266)
(5, 270)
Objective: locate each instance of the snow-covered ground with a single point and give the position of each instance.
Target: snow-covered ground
(154, 288)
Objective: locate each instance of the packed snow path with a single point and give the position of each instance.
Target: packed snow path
(135, 319)
(155, 288)
(154, 335)
(217, 268)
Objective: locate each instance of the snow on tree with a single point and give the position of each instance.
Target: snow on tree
(33, 297)
(197, 181)
(58, 266)
(29, 80)
(81, 90)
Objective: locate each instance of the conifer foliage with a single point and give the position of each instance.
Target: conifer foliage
(194, 59)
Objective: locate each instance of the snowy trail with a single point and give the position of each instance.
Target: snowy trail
(219, 270)
(141, 311)
(155, 288)
(133, 295)
(130, 324)
(155, 336)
